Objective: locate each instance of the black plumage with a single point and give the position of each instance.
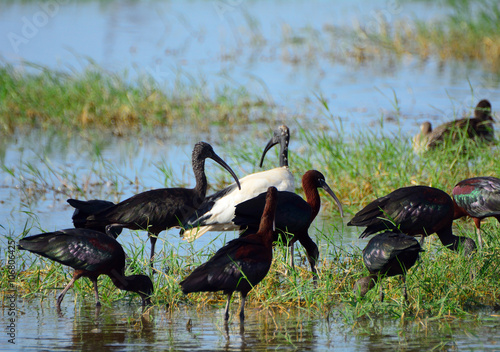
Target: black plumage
(294, 215)
(241, 264)
(414, 210)
(86, 208)
(217, 210)
(91, 254)
(159, 209)
(387, 254)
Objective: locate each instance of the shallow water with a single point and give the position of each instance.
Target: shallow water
(122, 327)
(233, 44)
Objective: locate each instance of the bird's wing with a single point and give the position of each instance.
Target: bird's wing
(83, 209)
(385, 247)
(166, 206)
(79, 248)
(480, 197)
(218, 210)
(230, 264)
(293, 212)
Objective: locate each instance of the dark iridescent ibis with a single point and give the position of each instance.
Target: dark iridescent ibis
(479, 198)
(294, 214)
(91, 254)
(160, 209)
(241, 264)
(415, 211)
(217, 211)
(85, 208)
(388, 254)
(480, 127)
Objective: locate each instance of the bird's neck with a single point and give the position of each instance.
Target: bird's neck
(200, 177)
(284, 153)
(133, 283)
(266, 226)
(120, 280)
(312, 197)
(453, 242)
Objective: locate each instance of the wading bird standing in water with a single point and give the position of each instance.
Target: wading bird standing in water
(91, 254)
(160, 209)
(479, 198)
(241, 264)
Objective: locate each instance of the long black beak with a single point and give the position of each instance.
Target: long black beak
(272, 142)
(221, 162)
(327, 188)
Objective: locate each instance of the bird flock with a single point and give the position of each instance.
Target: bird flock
(263, 207)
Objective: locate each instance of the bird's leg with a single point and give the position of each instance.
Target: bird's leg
(97, 311)
(152, 237)
(422, 240)
(96, 291)
(312, 262)
(68, 286)
(479, 237)
(381, 292)
(226, 314)
(292, 265)
(405, 293)
(242, 307)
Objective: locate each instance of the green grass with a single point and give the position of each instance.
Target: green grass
(470, 33)
(95, 99)
(443, 284)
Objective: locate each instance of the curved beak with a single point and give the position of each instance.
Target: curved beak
(221, 162)
(328, 190)
(272, 142)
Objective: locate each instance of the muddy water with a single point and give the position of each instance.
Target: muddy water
(233, 44)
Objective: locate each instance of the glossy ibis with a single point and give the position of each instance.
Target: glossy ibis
(388, 254)
(294, 214)
(163, 208)
(85, 208)
(217, 211)
(479, 198)
(414, 210)
(241, 264)
(480, 127)
(91, 254)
